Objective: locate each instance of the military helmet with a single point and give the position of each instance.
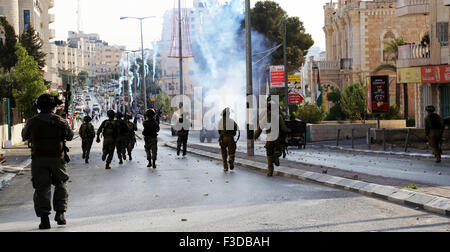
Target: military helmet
(111, 114)
(430, 109)
(150, 113)
(47, 102)
(87, 119)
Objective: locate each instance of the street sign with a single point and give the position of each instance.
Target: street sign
(277, 77)
(295, 99)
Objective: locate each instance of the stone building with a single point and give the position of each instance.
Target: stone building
(424, 64)
(356, 32)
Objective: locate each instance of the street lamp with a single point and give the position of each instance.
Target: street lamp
(142, 48)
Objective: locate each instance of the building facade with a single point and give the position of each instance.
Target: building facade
(356, 35)
(22, 14)
(424, 64)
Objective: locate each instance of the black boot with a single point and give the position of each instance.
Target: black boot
(60, 219)
(104, 157)
(45, 223)
(231, 165)
(124, 156)
(149, 164)
(108, 167)
(121, 161)
(154, 164)
(131, 158)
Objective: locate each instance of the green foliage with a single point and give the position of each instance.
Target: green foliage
(393, 114)
(83, 78)
(31, 41)
(336, 113)
(8, 58)
(29, 83)
(164, 103)
(412, 186)
(267, 19)
(310, 113)
(354, 101)
(7, 82)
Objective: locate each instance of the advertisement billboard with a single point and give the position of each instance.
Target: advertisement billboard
(379, 94)
(277, 77)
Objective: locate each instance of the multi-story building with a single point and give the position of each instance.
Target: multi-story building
(22, 14)
(356, 35)
(86, 52)
(424, 64)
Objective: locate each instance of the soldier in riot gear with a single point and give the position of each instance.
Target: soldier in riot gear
(151, 129)
(227, 131)
(122, 137)
(274, 144)
(47, 132)
(109, 130)
(132, 128)
(87, 134)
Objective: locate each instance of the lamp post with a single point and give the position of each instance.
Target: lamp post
(250, 131)
(143, 61)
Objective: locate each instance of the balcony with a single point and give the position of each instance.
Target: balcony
(413, 55)
(412, 7)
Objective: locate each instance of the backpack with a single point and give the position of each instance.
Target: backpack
(87, 131)
(109, 129)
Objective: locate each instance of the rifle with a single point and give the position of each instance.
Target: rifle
(66, 150)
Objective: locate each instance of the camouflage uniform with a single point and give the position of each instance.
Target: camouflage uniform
(131, 143)
(274, 148)
(434, 128)
(110, 132)
(122, 138)
(151, 129)
(87, 134)
(47, 132)
(226, 140)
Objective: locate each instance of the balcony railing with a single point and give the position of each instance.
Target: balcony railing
(413, 55)
(346, 64)
(343, 64)
(412, 7)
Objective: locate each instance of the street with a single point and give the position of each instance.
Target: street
(193, 194)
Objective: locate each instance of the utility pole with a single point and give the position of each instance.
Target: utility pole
(248, 35)
(143, 69)
(285, 65)
(180, 48)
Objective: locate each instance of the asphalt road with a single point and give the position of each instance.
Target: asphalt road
(194, 194)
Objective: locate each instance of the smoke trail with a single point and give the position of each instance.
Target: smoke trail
(220, 62)
(155, 52)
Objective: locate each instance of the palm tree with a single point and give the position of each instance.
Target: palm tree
(391, 50)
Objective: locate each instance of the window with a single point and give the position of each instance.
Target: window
(26, 19)
(442, 33)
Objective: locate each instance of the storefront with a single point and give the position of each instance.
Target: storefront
(432, 86)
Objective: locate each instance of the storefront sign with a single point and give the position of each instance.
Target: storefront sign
(409, 75)
(277, 77)
(379, 94)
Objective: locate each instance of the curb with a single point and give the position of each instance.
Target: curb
(434, 204)
(4, 180)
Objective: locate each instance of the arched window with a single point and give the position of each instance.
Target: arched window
(387, 51)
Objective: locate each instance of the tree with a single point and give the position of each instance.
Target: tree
(354, 101)
(83, 78)
(310, 113)
(33, 43)
(29, 83)
(8, 58)
(336, 113)
(7, 83)
(392, 51)
(267, 18)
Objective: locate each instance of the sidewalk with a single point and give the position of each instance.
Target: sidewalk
(17, 159)
(432, 198)
(361, 146)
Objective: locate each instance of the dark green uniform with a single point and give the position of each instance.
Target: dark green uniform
(110, 132)
(434, 127)
(226, 141)
(131, 143)
(122, 140)
(87, 134)
(151, 129)
(274, 147)
(47, 132)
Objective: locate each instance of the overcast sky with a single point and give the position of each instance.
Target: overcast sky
(103, 17)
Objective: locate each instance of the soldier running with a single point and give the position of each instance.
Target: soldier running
(110, 132)
(87, 134)
(122, 138)
(151, 129)
(273, 145)
(47, 132)
(132, 128)
(227, 131)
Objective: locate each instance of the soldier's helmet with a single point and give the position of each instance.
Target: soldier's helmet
(47, 102)
(111, 114)
(150, 113)
(119, 115)
(87, 119)
(430, 109)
